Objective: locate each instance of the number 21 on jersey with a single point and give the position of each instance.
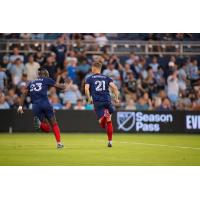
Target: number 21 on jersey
(100, 85)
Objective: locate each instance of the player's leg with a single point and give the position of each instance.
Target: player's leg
(49, 114)
(102, 121)
(44, 125)
(109, 126)
(36, 123)
(99, 110)
(56, 131)
(39, 116)
(105, 120)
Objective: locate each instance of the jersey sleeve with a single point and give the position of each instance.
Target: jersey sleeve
(28, 85)
(50, 82)
(109, 80)
(88, 80)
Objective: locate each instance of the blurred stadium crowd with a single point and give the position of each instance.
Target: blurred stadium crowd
(109, 36)
(145, 83)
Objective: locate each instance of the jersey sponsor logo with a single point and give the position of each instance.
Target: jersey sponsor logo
(193, 122)
(138, 121)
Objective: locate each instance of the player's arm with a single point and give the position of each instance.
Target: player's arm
(62, 86)
(115, 91)
(87, 93)
(21, 102)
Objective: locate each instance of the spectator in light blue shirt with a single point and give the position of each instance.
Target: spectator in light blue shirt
(16, 55)
(3, 78)
(113, 74)
(193, 70)
(71, 94)
(84, 67)
(16, 71)
(140, 106)
(154, 64)
(55, 102)
(3, 103)
(71, 70)
(144, 102)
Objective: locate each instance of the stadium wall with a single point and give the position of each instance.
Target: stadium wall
(124, 121)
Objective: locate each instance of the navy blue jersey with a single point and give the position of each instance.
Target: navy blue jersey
(38, 89)
(99, 87)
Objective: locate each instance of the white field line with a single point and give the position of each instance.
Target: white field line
(164, 145)
(156, 145)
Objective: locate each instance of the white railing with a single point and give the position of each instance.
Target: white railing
(112, 47)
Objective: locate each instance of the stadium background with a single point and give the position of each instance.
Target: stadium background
(154, 72)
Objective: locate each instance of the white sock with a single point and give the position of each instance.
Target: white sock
(110, 141)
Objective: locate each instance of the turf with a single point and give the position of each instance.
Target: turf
(91, 149)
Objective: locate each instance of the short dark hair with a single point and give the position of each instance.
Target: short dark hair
(18, 59)
(30, 55)
(149, 68)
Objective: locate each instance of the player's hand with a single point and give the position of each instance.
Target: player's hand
(20, 110)
(116, 100)
(69, 81)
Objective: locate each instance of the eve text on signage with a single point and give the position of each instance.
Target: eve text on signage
(193, 122)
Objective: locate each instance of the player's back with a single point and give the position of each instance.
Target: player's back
(99, 87)
(38, 89)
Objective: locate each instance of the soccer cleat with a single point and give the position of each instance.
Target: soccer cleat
(60, 146)
(36, 122)
(109, 144)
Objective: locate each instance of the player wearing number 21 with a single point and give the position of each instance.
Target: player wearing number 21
(97, 91)
(42, 109)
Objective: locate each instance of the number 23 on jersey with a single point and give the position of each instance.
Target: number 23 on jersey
(35, 87)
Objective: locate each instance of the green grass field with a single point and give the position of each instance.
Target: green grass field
(91, 149)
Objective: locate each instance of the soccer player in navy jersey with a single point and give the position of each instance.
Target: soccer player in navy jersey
(97, 91)
(42, 109)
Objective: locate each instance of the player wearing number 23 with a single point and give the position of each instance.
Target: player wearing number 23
(37, 89)
(38, 92)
